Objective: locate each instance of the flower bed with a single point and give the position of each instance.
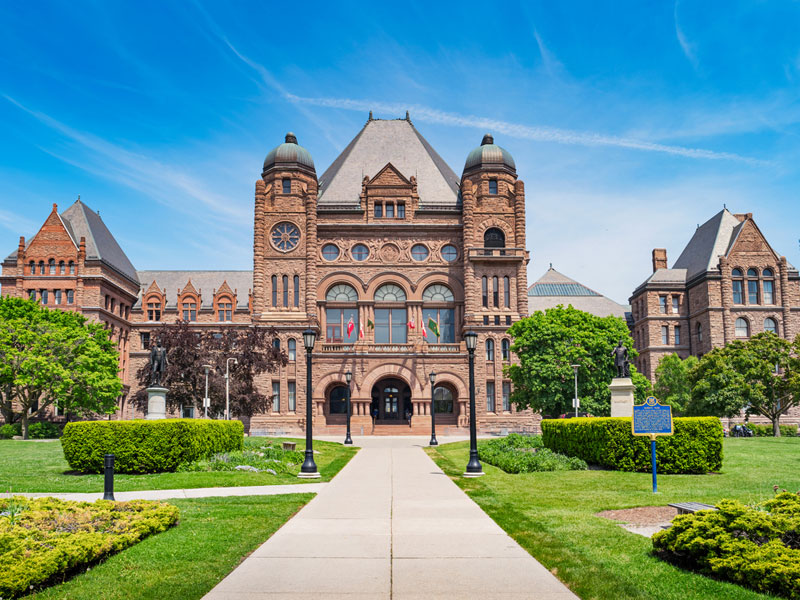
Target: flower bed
(755, 546)
(517, 453)
(45, 539)
(255, 457)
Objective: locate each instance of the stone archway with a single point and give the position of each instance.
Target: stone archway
(391, 400)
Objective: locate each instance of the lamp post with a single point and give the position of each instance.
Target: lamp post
(348, 377)
(309, 468)
(433, 441)
(227, 387)
(205, 398)
(575, 401)
(474, 468)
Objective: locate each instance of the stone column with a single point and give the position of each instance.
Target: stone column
(785, 299)
(727, 298)
(156, 403)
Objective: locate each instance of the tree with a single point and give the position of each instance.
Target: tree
(548, 343)
(53, 357)
(672, 385)
(760, 376)
(189, 350)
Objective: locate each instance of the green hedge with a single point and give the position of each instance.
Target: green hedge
(766, 430)
(43, 540)
(525, 454)
(147, 446)
(694, 447)
(754, 546)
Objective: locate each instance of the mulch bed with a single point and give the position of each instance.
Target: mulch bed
(641, 515)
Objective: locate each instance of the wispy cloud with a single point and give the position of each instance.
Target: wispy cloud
(540, 134)
(551, 64)
(686, 46)
(14, 222)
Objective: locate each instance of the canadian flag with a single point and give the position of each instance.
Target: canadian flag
(424, 331)
(350, 326)
(411, 324)
(360, 331)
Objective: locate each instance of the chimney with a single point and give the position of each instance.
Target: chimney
(659, 259)
(21, 247)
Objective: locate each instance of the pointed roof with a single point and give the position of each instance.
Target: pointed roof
(393, 141)
(81, 221)
(554, 288)
(710, 241)
(205, 282)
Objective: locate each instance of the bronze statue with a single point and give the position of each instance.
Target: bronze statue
(158, 364)
(620, 354)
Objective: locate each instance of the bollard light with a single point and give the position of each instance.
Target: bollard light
(108, 492)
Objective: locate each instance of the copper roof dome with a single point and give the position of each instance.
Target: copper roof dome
(289, 155)
(490, 155)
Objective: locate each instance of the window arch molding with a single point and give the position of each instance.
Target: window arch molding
(390, 292)
(438, 292)
(742, 327)
(771, 324)
(223, 308)
(341, 292)
(188, 306)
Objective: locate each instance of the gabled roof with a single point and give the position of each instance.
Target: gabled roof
(554, 288)
(389, 141)
(204, 282)
(710, 241)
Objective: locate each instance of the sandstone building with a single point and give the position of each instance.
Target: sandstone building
(727, 284)
(385, 243)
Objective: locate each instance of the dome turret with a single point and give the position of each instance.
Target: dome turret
(490, 156)
(289, 155)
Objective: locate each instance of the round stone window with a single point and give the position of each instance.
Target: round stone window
(419, 252)
(359, 252)
(449, 252)
(330, 251)
(285, 236)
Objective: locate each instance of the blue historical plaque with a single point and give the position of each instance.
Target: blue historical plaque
(652, 418)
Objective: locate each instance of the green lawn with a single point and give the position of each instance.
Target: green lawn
(552, 516)
(185, 562)
(40, 467)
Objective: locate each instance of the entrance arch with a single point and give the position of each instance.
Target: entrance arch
(392, 398)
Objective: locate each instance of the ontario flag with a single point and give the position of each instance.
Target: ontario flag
(350, 326)
(411, 324)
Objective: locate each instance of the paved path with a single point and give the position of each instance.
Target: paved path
(390, 525)
(252, 490)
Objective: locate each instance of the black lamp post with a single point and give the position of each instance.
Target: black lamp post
(348, 377)
(309, 468)
(474, 468)
(433, 441)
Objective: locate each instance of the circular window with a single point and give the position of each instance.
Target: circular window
(449, 252)
(330, 251)
(285, 236)
(359, 252)
(419, 252)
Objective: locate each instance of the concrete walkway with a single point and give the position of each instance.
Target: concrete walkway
(251, 490)
(390, 525)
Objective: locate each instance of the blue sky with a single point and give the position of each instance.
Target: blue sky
(630, 122)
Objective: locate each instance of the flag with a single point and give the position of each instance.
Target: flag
(432, 325)
(411, 324)
(361, 331)
(350, 326)
(370, 324)
(424, 331)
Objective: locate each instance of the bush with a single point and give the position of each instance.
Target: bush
(147, 446)
(694, 447)
(766, 430)
(9, 430)
(264, 457)
(524, 454)
(43, 431)
(42, 540)
(754, 546)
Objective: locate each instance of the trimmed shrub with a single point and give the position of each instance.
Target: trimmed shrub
(760, 430)
(754, 546)
(694, 447)
(147, 446)
(43, 431)
(7, 432)
(525, 454)
(44, 539)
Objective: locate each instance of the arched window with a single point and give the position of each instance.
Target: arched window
(390, 322)
(490, 350)
(742, 328)
(338, 400)
(768, 286)
(771, 325)
(494, 238)
(752, 286)
(71, 268)
(285, 281)
(495, 292)
(506, 292)
(189, 308)
(505, 350)
(443, 399)
(341, 319)
(485, 291)
(51, 264)
(296, 291)
(32, 268)
(42, 270)
(274, 290)
(291, 344)
(224, 309)
(699, 329)
(153, 309)
(737, 286)
(62, 268)
(438, 314)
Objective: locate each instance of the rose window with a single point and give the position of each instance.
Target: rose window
(285, 237)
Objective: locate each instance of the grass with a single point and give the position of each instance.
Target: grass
(551, 515)
(185, 562)
(41, 467)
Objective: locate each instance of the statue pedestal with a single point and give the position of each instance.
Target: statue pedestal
(621, 397)
(156, 403)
